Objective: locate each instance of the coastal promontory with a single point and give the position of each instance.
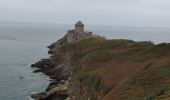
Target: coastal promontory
(85, 66)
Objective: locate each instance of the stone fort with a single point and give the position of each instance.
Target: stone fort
(78, 33)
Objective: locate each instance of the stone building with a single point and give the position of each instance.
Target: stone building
(79, 27)
(78, 33)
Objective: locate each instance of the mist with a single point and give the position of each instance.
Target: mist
(135, 13)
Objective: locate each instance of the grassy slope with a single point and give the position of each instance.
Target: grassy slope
(118, 69)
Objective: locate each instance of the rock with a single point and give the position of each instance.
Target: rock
(57, 91)
(50, 52)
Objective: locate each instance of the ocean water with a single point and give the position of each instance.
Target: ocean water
(22, 44)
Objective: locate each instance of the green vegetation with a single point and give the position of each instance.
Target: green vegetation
(92, 85)
(150, 83)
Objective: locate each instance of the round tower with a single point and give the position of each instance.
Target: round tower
(79, 27)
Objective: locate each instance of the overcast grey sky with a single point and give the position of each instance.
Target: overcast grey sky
(145, 13)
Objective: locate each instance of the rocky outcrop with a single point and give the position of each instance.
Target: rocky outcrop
(58, 92)
(57, 70)
(99, 69)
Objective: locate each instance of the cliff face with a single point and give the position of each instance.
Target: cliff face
(100, 69)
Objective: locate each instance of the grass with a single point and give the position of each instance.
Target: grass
(149, 84)
(91, 81)
(91, 50)
(96, 56)
(143, 44)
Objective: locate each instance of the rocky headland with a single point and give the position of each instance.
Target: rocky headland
(95, 68)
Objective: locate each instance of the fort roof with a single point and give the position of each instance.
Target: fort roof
(79, 23)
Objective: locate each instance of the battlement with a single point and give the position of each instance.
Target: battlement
(71, 31)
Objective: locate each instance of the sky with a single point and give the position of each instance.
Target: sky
(139, 13)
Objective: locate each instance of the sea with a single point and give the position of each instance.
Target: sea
(22, 44)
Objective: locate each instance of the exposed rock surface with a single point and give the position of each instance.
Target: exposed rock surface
(59, 73)
(99, 69)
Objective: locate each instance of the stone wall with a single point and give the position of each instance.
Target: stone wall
(78, 33)
(78, 36)
(79, 28)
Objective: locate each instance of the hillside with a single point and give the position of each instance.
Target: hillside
(101, 69)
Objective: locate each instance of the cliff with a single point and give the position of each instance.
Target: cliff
(99, 69)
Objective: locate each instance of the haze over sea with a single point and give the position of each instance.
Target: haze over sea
(22, 44)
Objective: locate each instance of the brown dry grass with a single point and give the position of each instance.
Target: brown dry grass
(120, 69)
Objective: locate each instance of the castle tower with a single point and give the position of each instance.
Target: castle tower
(79, 27)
